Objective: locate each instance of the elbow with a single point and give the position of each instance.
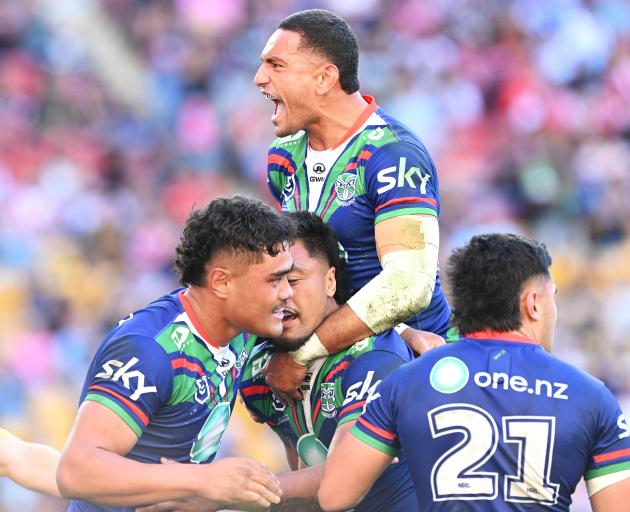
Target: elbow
(332, 500)
(69, 480)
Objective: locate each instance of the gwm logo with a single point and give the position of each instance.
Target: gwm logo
(346, 189)
(319, 168)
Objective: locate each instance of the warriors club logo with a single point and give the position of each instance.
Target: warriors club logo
(346, 189)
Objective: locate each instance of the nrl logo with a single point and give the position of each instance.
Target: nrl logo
(289, 188)
(328, 400)
(346, 189)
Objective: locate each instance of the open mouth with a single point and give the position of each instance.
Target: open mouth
(279, 106)
(288, 315)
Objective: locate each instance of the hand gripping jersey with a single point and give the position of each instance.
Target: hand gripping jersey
(335, 391)
(380, 171)
(496, 425)
(172, 388)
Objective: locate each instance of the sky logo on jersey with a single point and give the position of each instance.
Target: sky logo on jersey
(126, 376)
(449, 375)
(365, 389)
(622, 423)
(346, 189)
(390, 179)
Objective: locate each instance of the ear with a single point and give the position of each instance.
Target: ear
(331, 283)
(219, 281)
(531, 307)
(327, 76)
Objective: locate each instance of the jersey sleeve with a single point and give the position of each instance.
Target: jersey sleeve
(361, 380)
(133, 377)
(609, 461)
(401, 179)
(377, 426)
(256, 394)
(279, 162)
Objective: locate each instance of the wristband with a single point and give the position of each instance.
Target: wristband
(400, 328)
(311, 350)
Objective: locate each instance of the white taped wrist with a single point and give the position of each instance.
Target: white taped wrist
(311, 350)
(400, 328)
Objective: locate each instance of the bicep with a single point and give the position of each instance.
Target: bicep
(613, 498)
(406, 232)
(99, 427)
(350, 456)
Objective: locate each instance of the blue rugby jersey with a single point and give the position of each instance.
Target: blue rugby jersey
(337, 390)
(381, 170)
(174, 389)
(498, 424)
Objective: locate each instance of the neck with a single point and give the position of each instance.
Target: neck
(337, 114)
(524, 333)
(207, 318)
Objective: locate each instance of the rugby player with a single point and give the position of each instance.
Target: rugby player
(493, 422)
(163, 382)
(339, 155)
(336, 387)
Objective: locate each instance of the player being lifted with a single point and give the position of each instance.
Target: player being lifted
(493, 422)
(339, 155)
(164, 381)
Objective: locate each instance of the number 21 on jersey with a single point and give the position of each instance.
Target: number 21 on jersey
(455, 474)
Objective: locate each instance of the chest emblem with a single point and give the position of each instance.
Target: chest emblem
(346, 188)
(328, 400)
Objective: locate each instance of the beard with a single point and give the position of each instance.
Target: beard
(288, 345)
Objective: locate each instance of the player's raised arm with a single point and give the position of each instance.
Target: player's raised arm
(30, 465)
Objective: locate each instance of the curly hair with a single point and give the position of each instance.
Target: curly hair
(320, 240)
(237, 225)
(487, 276)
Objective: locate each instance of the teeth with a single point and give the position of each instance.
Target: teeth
(268, 96)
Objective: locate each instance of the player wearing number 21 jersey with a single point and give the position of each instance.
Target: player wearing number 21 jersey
(494, 422)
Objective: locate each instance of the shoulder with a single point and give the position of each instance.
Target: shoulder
(287, 146)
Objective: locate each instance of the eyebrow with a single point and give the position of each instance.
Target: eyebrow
(272, 59)
(281, 273)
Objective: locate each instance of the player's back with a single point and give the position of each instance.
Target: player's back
(491, 424)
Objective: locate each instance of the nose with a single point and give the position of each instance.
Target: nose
(260, 78)
(285, 292)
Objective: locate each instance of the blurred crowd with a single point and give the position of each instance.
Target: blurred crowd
(118, 116)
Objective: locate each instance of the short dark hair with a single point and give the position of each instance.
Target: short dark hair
(238, 225)
(320, 240)
(487, 277)
(329, 35)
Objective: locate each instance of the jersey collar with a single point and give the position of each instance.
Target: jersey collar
(193, 318)
(499, 335)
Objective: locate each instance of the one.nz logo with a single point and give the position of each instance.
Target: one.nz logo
(346, 189)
